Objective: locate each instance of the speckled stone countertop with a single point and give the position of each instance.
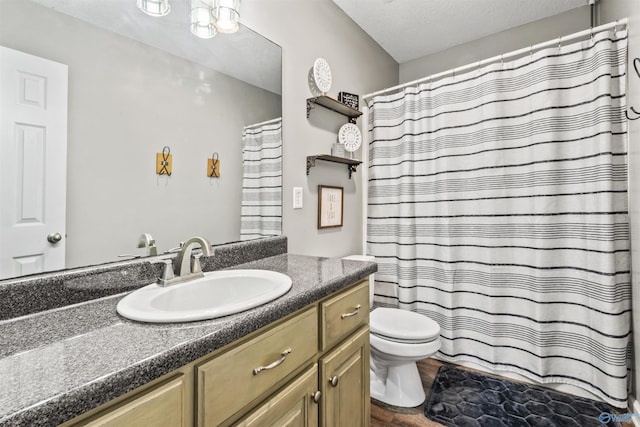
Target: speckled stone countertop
(59, 363)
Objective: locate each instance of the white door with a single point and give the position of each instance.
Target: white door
(33, 163)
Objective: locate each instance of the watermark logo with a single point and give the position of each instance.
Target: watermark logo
(607, 417)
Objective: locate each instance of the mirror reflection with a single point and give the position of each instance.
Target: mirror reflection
(136, 87)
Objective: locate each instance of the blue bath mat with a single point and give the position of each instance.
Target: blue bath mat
(461, 398)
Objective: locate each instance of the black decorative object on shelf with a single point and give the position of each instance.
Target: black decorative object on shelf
(334, 105)
(350, 99)
(352, 165)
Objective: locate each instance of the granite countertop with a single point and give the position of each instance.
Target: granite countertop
(60, 363)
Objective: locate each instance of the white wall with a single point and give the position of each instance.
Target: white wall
(496, 44)
(612, 10)
(126, 102)
(306, 30)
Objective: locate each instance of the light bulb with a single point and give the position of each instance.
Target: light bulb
(202, 23)
(154, 7)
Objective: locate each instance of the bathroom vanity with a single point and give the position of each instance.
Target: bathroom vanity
(310, 368)
(302, 359)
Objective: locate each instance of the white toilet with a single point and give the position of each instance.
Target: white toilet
(398, 338)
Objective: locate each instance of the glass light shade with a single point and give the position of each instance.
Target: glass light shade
(226, 15)
(154, 7)
(202, 22)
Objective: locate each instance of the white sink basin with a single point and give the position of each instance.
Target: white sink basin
(217, 294)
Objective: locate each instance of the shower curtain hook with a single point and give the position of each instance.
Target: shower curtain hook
(530, 52)
(559, 42)
(502, 61)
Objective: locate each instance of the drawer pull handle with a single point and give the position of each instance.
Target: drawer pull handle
(316, 396)
(333, 381)
(278, 362)
(353, 313)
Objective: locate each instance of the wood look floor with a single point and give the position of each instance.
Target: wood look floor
(385, 416)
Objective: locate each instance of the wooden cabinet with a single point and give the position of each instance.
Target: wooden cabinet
(294, 406)
(342, 314)
(308, 369)
(166, 404)
(344, 383)
(235, 379)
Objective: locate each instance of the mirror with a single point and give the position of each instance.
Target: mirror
(137, 84)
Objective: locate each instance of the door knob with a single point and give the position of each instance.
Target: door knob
(54, 237)
(333, 381)
(316, 396)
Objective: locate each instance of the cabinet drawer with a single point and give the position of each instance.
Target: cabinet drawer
(228, 383)
(292, 406)
(341, 316)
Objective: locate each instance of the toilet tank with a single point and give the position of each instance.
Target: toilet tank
(369, 258)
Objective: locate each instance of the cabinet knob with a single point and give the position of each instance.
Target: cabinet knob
(316, 396)
(333, 381)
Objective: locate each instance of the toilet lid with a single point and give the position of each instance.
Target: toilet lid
(403, 325)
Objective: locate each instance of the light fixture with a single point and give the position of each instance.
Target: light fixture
(226, 15)
(202, 22)
(154, 7)
(208, 17)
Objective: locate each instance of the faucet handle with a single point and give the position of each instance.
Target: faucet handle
(195, 264)
(167, 272)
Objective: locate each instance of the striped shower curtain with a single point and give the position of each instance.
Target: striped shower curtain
(261, 210)
(498, 207)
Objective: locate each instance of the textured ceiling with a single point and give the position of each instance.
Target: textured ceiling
(410, 29)
(244, 55)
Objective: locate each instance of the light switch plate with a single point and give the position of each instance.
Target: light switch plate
(297, 197)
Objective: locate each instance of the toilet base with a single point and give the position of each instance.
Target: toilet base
(402, 387)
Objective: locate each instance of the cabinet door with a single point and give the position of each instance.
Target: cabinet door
(344, 383)
(159, 407)
(292, 407)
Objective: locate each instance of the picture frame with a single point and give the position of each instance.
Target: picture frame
(350, 99)
(330, 206)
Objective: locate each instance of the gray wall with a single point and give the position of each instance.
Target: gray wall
(497, 44)
(306, 30)
(127, 101)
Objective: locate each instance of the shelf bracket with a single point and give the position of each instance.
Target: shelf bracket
(352, 169)
(311, 162)
(310, 105)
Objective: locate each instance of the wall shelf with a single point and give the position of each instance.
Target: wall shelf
(333, 105)
(352, 164)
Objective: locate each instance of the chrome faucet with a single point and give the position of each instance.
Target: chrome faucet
(145, 240)
(187, 264)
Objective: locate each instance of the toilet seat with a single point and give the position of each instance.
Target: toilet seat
(403, 351)
(403, 326)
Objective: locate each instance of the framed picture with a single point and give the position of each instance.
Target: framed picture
(330, 206)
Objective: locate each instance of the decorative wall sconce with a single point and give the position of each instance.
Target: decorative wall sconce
(213, 166)
(208, 17)
(164, 162)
